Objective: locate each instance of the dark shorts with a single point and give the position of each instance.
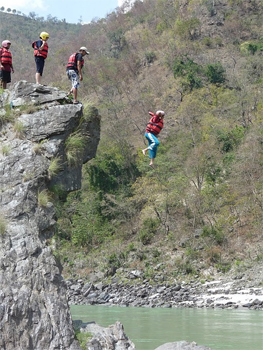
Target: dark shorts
(5, 76)
(40, 62)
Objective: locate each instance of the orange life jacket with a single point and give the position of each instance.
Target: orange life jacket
(72, 63)
(43, 52)
(6, 56)
(155, 125)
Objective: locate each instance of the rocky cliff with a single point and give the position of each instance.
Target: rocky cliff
(36, 158)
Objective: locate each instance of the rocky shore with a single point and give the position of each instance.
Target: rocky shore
(243, 290)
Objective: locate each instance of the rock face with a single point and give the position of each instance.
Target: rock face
(112, 337)
(34, 312)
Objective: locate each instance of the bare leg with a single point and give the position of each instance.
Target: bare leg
(151, 162)
(3, 84)
(38, 78)
(144, 151)
(75, 95)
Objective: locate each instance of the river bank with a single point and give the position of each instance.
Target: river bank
(231, 291)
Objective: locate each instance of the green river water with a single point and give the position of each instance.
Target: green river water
(149, 328)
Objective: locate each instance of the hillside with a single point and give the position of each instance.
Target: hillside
(200, 211)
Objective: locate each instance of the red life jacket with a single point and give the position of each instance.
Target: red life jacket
(155, 125)
(43, 52)
(72, 63)
(6, 56)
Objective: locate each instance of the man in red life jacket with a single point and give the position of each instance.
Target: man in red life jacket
(6, 65)
(74, 71)
(40, 52)
(153, 129)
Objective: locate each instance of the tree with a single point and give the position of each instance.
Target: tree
(32, 15)
(215, 73)
(189, 70)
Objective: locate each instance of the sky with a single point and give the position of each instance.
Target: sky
(72, 11)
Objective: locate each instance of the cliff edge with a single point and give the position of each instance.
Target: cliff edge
(37, 156)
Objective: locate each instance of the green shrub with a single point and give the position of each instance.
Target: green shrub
(218, 41)
(19, 128)
(214, 233)
(184, 66)
(189, 71)
(186, 268)
(252, 48)
(116, 260)
(89, 111)
(230, 139)
(58, 191)
(131, 248)
(6, 114)
(150, 57)
(192, 253)
(185, 28)
(54, 167)
(145, 237)
(223, 267)
(213, 172)
(6, 149)
(75, 146)
(149, 228)
(82, 236)
(83, 338)
(112, 170)
(156, 253)
(89, 225)
(215, 73)
(207, 41)
(43, 198)
(38, 148)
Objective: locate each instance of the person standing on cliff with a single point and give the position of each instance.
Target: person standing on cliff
(40, 52)
(153, 129)
(6, 65)
(74, 71)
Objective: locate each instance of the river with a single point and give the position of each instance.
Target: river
(149, 328)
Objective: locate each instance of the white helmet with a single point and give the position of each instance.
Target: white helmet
(5, 43)
(160, 112)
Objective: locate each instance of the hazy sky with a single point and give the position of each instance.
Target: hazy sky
(72, 11)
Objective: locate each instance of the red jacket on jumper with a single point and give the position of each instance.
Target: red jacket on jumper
(154, 125)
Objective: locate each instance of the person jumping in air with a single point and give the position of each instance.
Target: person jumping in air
(153, 129)
(6, 66)
(40, 52)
